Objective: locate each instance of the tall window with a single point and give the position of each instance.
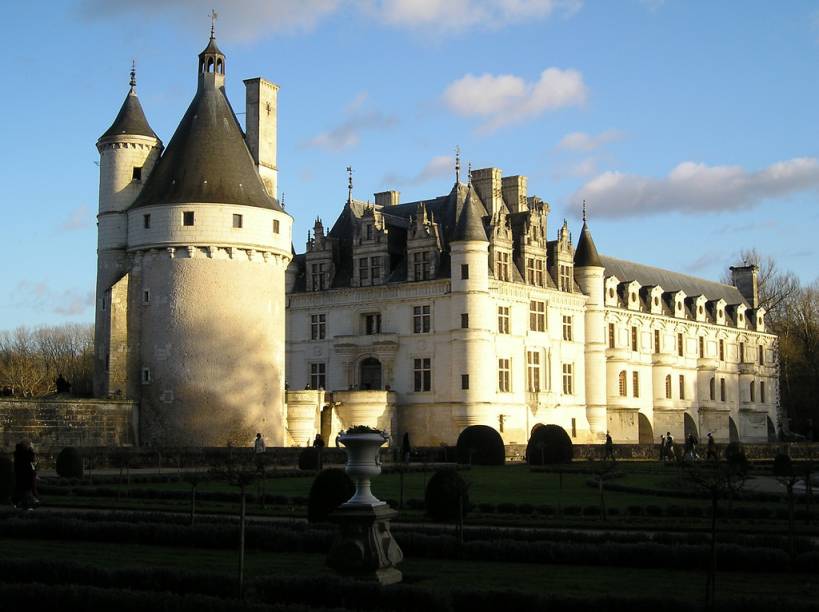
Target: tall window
(372, 323)
(702, 347)
(318, 326)
(634, 346)
(565, 277)
(363, 271)
(537, 316)
(635, 384)
(503, 319)
(680, 345)
(146, 221)
(423, 374)
(502, 266)
(657, 341)
(741, 352)
(567, 327)
(534, 271)
(276, 226)
(533, 370)
(318, 376)
(611, 335)
(761, 355)
(318, 278)
(668, 386)
(568, 379)
(540, 276)
(712, 391)
(464, 381)
(464, 320)
(375, 269)
(722, 350)
(621, 380)
(762, 391)
(421, 266)
(682, 387)
(722, 389)
(504, 375)
(464, 271)
(421, 319)
(752, 389)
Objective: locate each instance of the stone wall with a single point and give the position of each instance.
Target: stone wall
(55, 423)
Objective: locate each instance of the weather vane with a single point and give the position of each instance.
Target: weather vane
(584, 211)
(457, 164)
(213, 17)
(350, 183)
(133, 74)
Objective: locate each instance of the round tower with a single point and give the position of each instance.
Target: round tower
(210, 248)
(128, 151)
(588, 271)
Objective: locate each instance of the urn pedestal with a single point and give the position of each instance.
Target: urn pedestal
(364, 547)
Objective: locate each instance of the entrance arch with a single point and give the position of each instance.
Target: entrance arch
(645, 432)
(370, 374)
(733, 432)
(690, 426)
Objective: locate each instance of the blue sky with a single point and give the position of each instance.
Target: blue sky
(690, 127)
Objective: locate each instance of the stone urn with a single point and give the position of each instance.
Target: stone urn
(362, 445)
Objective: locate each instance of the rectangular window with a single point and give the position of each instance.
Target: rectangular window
(318, 277)
(537, 316)
(187, 218)
(722, 389)
(146, 221)
(722, 350)
(741, 356)
(503, 319)
(568, 379)
(421, 267)
(464, 271)
(502, 267)
(464, 320)
(146, 296)
(504, 375)
(539, 276)
(668, 386)
(318, 376)
(369, 232)
(702, 347)
(680, 345)
(146, 376)
(423, 374)
(533, 371)
(682, 387)
(567, 328)
(421, 319)
(565, 278)
(762, 391)
(656, 340)
(276, 226)
(464, 381)
(635, 384)
(621, 383)
(751, 389)
(761, 356)
(318, 326)
(375, 269)
(611, 335)
(363, 271)
(137, 173)
(530, 270)
(372, 323)
(574, 427)
(634, 346)
(237, 221)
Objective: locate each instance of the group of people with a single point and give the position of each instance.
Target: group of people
(668, 452)
(25, 476)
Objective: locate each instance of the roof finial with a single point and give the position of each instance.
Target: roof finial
(282, 200)
(584, 211)
(213, 17)
(457, 164)
(133, 74)
(469, 170)
(349, 183)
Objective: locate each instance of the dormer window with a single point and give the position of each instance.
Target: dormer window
(502, 266)
(565, 277)
(421, 265)
(369, 231)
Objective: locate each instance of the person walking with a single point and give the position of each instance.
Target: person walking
(662, 447)
(670, 455)
(25, 476)
(259, 451)
(609, 449)
(711, 448)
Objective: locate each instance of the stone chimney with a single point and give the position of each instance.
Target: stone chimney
(746, 279)
(487, 182)
(387, 198)
(514, 193)
(260, 129)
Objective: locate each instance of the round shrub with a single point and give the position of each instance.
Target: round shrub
(69, 463)
(480, 445)
(549, 444)
(309, 458)
(6, 478)
(446, 496)
(331, 488)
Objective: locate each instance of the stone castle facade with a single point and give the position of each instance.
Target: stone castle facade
(422, 317)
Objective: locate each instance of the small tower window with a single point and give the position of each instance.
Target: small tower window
(146, 221)
(464, 271)
(275, 226)
(464, 320)
(146, 376)
(146, 296)
(237, 221)
(187, 218)
(137, 173)
(464, 381)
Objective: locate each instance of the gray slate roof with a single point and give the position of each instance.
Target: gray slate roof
(130, 119)
(586, 252)
(469, 223)
(207, 159)
(670, 281)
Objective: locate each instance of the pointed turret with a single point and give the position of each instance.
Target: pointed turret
(131, 119)
(586, 252)
(469, 224)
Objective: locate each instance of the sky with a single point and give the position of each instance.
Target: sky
(691, 128)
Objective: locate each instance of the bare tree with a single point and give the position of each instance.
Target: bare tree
(776, 286)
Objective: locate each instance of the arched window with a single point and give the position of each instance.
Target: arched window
(712, 389)
(722, 389)
(752, 389)
(220, 66)
(668, 386)
(210, 64)
(622, 381)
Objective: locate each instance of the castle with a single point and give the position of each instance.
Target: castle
(423, 317)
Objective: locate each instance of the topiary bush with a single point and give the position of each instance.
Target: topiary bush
(69, 463)
(549, 444)
(446, 496)
(480, 445)
(331, 488)
(309, 458)
(6, 478)
(735, 457)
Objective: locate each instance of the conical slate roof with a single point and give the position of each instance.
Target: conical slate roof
(469, 222)
(586, 252)
(130, 119)
(207, 159)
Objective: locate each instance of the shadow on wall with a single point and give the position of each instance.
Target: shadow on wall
(219, 389)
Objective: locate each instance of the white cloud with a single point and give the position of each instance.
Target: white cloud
(581, 141)
(348, 133)
(39, 296)
(78, 219)
(505, 99)
(696, 188)
(437, 167)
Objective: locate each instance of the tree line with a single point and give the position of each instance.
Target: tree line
(31, 359)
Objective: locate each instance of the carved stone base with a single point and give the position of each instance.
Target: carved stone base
(364, 547)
